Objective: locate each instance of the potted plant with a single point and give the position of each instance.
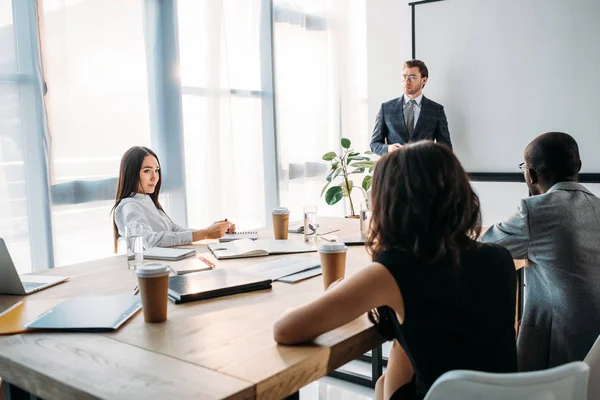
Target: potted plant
(348, 163)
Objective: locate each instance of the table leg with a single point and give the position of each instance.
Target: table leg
(376, 363)
(12, 392)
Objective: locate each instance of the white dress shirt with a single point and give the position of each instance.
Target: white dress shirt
(141, 216)
(417, 106)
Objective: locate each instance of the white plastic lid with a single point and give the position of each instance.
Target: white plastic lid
(152, 270)
(334, 247)
(280, 211)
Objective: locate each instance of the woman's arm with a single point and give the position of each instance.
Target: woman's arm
(371, 287)
(132, 216)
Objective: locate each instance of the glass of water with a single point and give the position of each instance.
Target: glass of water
(310, 223)
(135, 248)
(365, 220)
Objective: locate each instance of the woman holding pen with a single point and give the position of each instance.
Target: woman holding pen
(138, 210)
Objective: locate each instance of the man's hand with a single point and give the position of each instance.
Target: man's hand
(394, 147)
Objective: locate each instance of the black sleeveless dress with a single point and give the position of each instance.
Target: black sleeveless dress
(455, 318)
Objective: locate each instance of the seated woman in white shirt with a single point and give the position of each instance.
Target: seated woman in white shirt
(137, 207)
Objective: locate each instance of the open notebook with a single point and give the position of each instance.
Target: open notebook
(262, 247)
(215, 283)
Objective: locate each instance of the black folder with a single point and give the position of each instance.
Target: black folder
(89, 313)
(215, 283)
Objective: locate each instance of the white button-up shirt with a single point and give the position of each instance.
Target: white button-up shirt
(139, 214)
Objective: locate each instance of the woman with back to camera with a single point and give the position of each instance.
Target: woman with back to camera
(137, 207)
(447, 301)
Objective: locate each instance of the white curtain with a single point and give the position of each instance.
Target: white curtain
(222, 111)
(320, 66)
(98, 106)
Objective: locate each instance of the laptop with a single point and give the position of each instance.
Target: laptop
(13, 283)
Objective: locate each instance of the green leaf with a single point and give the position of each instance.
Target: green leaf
(369, 152)
(363, 164)
(346, 143)
(366, 183)
(357, 171)
(354, 158)
(334, 165)
(333, 174)
(324, 188)
(371, 170)
(346, 191)
(353, 153)
(329, 156)
(333, 195)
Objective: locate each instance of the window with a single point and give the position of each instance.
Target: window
(98, 107)
(16, 85)
(320, 69)
(223, 100)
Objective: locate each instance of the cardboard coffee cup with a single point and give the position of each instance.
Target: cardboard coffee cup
(153, 280)
(333, 262)
(281, 220)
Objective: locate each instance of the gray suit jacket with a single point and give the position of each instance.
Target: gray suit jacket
(559, 233)
(390, 126)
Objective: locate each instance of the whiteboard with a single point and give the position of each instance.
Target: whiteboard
(507, 71)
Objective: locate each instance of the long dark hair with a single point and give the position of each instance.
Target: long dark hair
(129, 180)
(423, 204)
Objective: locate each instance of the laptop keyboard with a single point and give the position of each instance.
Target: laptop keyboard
(32, 285)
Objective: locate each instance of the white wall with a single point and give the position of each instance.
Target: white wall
(388, 46)
(510, 70)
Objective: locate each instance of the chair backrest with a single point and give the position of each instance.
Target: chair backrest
(593, 361)
(567, 382)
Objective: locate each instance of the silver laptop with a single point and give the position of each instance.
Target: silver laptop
(12, 283)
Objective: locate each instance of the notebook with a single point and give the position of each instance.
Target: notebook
(190, 265)
(89, 313)
(300, 276)
(252, 235)
(168, 253)
(13, 319)
(215, 283)
(351, 240)
(283, 267)
(263, 247)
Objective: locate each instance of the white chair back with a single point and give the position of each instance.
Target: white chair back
(593, 361)
(567, 382)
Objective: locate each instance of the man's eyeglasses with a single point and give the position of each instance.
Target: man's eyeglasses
(411, 78)
(522, 167)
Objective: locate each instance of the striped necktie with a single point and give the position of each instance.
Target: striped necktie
(409, 117)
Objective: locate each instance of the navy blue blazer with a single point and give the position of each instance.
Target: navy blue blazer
(390, 127)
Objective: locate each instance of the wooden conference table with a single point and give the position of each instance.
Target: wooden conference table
(213, 349)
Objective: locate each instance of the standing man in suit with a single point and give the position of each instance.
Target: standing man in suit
(412, 117)
(558, 230)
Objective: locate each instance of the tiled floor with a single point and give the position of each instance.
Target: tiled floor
(336, 389)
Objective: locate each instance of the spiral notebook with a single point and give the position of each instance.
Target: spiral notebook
(168, 253)
(229, 237)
